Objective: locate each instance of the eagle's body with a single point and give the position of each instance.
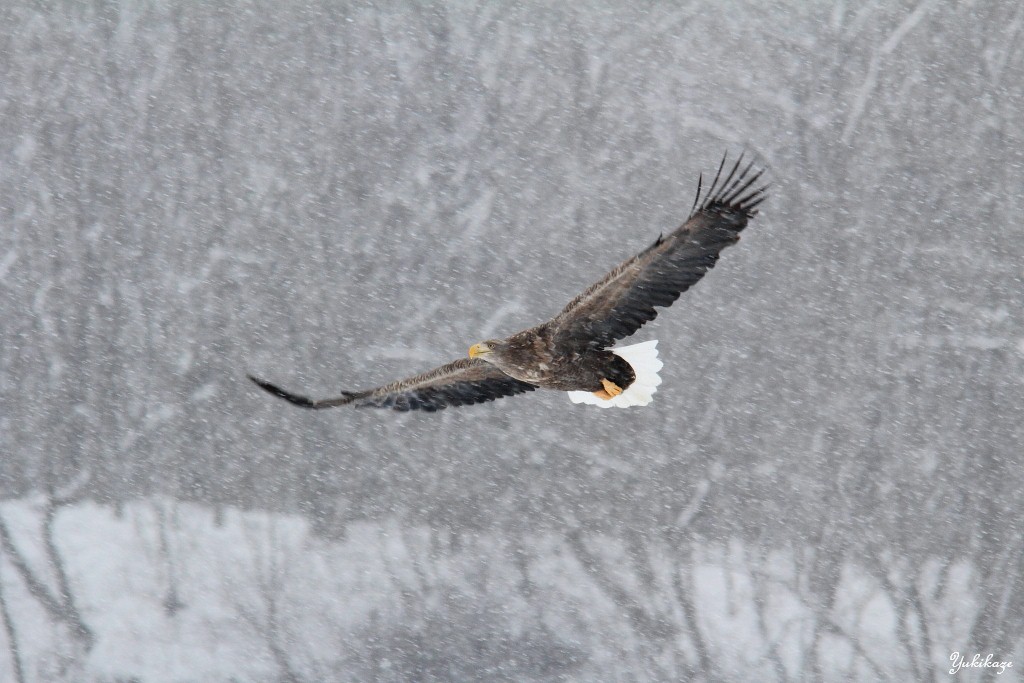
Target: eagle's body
(534, 356)
(574, 351)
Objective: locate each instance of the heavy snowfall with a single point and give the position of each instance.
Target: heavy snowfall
(827, 486)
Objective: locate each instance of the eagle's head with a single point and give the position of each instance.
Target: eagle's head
(487, 350)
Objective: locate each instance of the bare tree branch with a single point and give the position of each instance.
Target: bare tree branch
(265, 618)
(682, 583)
(835, 628)
(874, 67)
(67, 598)
(760, 599)
(172, 603)
(11, 633)
(645, 624)
(59, 605)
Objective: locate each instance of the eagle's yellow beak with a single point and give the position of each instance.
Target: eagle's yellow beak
(478, 350)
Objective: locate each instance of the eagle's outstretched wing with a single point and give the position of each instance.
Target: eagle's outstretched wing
(624, 300)
(461, 382)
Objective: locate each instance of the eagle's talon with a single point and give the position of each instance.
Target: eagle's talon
(610, 391)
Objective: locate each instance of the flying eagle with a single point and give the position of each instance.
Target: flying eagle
(572, 351)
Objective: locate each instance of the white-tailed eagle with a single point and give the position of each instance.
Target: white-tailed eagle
(572, 351)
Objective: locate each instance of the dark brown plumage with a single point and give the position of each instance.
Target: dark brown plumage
(571, 352)
(461, 382)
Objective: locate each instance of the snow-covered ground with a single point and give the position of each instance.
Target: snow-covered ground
(175, 593)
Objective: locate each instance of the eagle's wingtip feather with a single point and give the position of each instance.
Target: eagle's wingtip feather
(734, 193)
(294, 399)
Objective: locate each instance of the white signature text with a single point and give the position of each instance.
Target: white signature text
(976, 662)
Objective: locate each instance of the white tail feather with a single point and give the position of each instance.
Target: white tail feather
(643, 358)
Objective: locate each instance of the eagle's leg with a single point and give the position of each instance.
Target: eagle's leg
(610, 391)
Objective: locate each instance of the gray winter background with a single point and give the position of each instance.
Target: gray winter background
(827, 487)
